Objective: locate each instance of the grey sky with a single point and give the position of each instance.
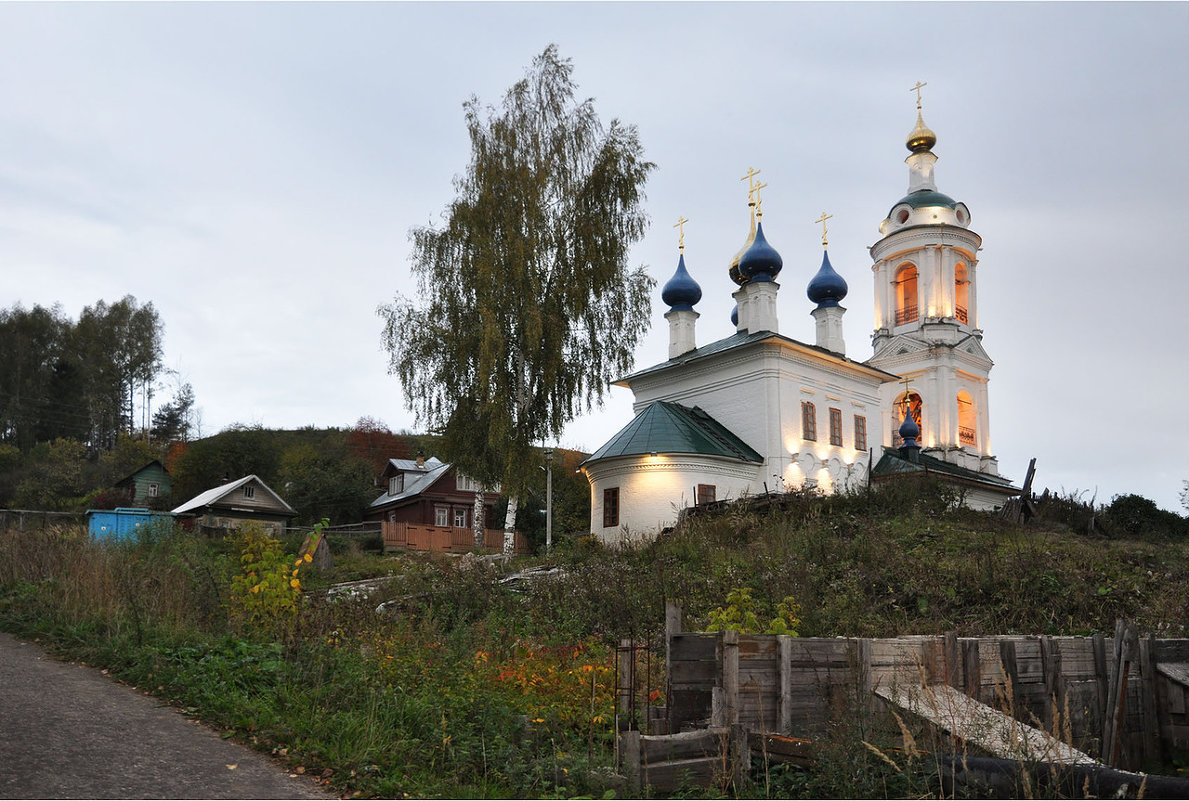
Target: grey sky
(253, 170)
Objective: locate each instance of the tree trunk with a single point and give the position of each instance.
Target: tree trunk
(510, 528)
(478, 519)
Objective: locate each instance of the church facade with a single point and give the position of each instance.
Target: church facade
(761, 412)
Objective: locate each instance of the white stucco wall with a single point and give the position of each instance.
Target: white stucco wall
(654, 489)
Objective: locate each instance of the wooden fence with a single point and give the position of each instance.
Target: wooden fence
(1120, 699)
(400, 535)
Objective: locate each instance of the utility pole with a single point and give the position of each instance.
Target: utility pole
(548, 499)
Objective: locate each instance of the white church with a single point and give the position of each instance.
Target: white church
(762, 412)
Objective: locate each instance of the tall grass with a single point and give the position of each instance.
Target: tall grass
(466, 686)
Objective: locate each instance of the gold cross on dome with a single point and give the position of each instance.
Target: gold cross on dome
(822, 219)
(752, 172)
(681, 221)
(907, 389)
(759, 200)
(917, 89)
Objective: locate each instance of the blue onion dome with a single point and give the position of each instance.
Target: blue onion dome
(826, 288)
(733, 269)
(761, 262)
(682, 291)
(735, 316)
(909, 430)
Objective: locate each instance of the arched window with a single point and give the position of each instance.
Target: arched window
(913, 401)
(961, 293)
(967, 421)
(906, 294)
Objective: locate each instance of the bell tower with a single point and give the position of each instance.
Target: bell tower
(926, 315)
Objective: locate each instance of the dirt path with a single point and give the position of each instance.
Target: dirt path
(67, 731)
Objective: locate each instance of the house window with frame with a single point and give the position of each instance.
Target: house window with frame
(396, 484)
(460, 517)
(706, 494)
(808, 421)
(154, 489)
(441, 516)
(860, 433)
(836, 427)
(249, 491)
(610, 507)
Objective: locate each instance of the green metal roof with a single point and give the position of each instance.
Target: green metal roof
(926, 197)
(892, 463)
(668, 428)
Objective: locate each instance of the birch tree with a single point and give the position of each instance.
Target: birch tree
(526, 306)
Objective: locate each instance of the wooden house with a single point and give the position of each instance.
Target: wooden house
(246, 499)
(148, 486)
(428, 505)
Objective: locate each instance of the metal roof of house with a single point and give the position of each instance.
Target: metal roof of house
(741, 339)
(417, 480)
(665, 427)
(411, 466)
(212, 496)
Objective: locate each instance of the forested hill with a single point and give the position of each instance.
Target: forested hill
(321, 472)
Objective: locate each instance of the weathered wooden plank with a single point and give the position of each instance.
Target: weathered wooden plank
(778, 748)
(1151, 719)
(1172, 650)
(753, 646)
(1176, 671)
(667, 777)
(694, 646)
(974, 722)
(685, 745)
(686, 672)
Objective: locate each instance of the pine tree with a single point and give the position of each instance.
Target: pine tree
(527, 307)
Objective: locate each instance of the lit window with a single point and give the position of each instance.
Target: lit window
(808, 421)
(967, 427)
(249, 491)
(836, 427)
(460, 517)
(706, 494)
(611, 507)
(441, 516)
(961, 294)
(860, 433)
(906, 294)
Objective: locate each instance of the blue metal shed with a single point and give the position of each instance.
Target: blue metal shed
(122, 522)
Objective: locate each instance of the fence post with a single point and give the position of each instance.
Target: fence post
(626, 691)
(786, 682)
(629, 750)
(730, 675)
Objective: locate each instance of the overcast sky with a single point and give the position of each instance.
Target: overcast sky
(254, 170)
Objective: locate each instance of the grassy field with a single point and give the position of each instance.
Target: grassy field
(468, 686)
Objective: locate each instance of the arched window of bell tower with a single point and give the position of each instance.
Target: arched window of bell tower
(906, 294)
(961, 294)
(967, 420)
(913, 401)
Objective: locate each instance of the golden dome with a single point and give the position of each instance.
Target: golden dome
(921, 138)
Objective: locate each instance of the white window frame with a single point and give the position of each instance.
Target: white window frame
(249, 491)
(441, 515)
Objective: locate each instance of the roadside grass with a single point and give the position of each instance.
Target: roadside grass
(469, 687)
